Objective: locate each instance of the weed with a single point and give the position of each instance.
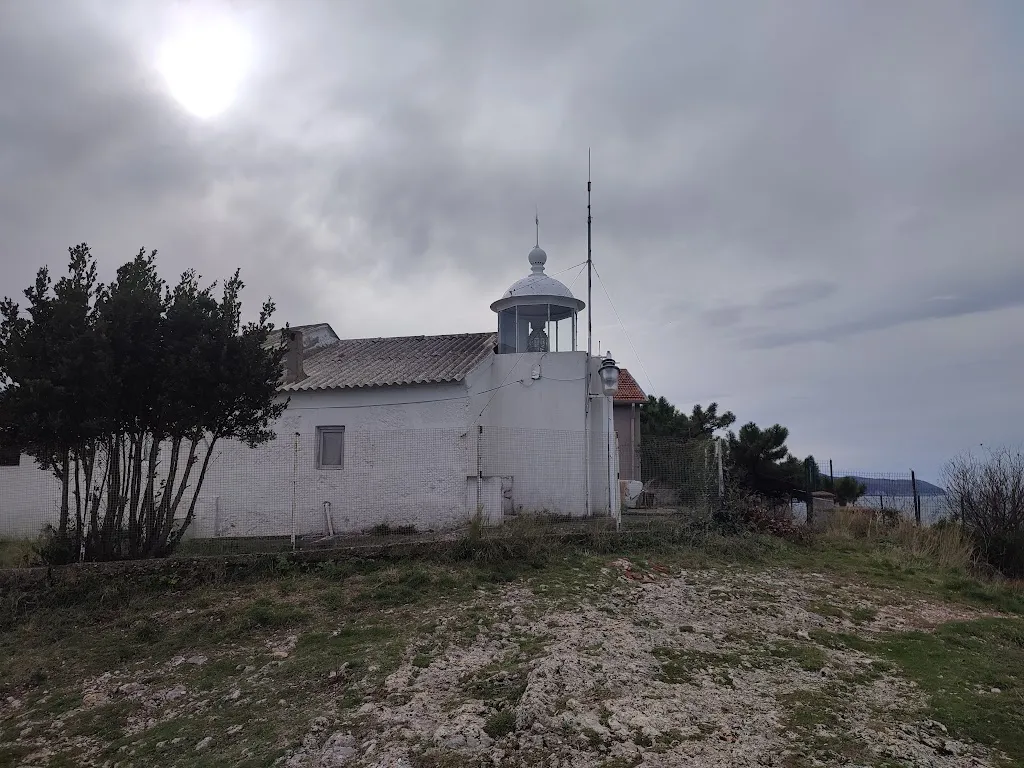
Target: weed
(863, 614)
(641, 739)
(267, 614)
(808, 657)
(386, 529)
(19, 553)
(682, 666)
(500, 724)
(827, 609)
(146, 630)
(621, 762)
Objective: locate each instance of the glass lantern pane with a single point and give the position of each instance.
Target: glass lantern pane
(507, 331)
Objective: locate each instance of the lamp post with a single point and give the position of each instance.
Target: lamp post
(609, 373)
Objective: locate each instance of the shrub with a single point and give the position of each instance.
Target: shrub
(19, 553)
(746, 511)
(986, 496)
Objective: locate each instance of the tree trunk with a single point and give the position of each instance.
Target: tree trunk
(134, 523)
(147, 509)
(65, 494)
(177, 535)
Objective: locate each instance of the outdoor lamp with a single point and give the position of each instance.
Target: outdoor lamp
(609, 375)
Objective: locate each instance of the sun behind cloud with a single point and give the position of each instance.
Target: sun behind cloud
(204, 62)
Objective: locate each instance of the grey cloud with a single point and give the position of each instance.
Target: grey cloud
(862, 159)
(723, 317)
(797, 294)
(793, 295)
(970, 297)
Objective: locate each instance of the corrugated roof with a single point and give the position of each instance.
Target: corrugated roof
(629, 390)
(381, 362)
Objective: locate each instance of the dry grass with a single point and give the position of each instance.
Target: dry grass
(948, 546)
(18, 553)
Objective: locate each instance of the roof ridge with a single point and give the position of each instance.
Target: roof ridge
(419, 336)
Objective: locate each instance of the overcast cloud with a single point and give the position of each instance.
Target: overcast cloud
(810, 212)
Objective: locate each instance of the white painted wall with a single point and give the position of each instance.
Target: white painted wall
(405, 452)
(411, 457)
(29, 499)
(533, 430)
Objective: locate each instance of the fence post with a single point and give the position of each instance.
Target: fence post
(917, 501)
(831, 477)
(295, 485)
(721, 472)
(809, 485)
(480, 477)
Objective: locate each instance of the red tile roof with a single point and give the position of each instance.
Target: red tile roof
(629, 390)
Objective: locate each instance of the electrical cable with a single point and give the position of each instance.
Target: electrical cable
(535, 278)
(624, 331)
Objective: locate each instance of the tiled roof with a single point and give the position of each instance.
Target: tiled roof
(629, 390)
(315, 335)
(353, 363)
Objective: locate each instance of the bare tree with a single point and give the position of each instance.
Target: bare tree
(986, 495)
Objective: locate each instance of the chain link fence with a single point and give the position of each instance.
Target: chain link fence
(679, 477)
(899, 493)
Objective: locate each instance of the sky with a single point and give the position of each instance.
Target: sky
(811, 213)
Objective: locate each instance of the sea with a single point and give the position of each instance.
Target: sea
(933, 508)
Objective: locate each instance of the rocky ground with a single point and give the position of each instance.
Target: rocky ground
(616, 664)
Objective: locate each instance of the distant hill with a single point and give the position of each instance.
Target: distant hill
(886, 487)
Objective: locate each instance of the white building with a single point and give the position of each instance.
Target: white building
(416, 432)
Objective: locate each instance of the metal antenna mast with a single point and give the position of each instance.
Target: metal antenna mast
(590, 314)
(590, 269)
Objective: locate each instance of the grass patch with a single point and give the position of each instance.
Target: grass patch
(974, 675)
(827, 609)
(816, 716)
(884, 564)
(18, 553)
(680, 666)
(862, 614)
(500, 724)
(809, 658)
(265, 613)
(972, 672)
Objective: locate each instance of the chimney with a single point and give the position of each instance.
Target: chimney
(293, 356)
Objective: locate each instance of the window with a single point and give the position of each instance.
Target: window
(330, 447)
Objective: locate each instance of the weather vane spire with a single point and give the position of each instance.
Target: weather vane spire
(536, 221)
